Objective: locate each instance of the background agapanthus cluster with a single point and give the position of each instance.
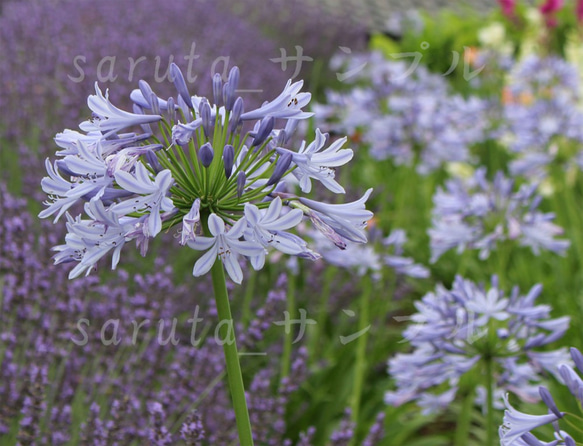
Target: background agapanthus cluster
(518, 426)
(403, 112)
(474, 213)
(542, 117)
(455, 331)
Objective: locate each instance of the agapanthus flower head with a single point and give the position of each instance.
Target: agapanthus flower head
(475, 213)
(517, 425)
(408, 116)
(453, 330)
(542, 120)
(213, 168)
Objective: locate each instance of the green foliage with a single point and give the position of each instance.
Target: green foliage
(442, 36)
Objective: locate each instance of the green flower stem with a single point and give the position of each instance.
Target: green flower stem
(383, 307)
(287, 345)
(462, 432)
(227, 334)
(489, 402)
(360, 366)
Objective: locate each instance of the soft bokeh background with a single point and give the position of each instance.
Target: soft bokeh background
(53, 391)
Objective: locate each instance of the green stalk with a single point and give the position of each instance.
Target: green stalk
(234, 375)
(462, 432)
(360, 366)
(489, 402)
(488, 358)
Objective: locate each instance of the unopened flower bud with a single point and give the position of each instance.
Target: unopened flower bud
(205, 114)
(281, 138)
(290, 128)
(146, 91)
(241, 180)
(264, 131)
(281, 167)
(217, 89)
(206, 154)
(180, 84)
(235, 117)
(549, 401)
(230, 87)
(228, 159)
(171, 109)
(182, 105)
(152, 160)
(154, 103)
(577, 358)
(189, 223)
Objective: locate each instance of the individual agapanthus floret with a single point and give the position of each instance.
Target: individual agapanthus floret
(517, 426)
(477, 214)
(87, 241)
(455, 330)
(349, 220)
(224, 245)
(288, 105)
(151, 195)
(200, 169)
(268, 227)
(189, 223)
(313, 162)
(108, 118)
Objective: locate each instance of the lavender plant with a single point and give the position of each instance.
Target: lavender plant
(201, 171)
(307, 38)
(468, 327)
(118, 44)
(72, 364)
(58, 56)
(477, 214)
(518, 426)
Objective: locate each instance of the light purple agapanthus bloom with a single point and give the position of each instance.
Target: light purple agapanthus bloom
(313, 162)
(543, 122)
(201, 170)
(408, 116)
(518, 426)
(478, 214)
(108, 119)
(455, 330)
